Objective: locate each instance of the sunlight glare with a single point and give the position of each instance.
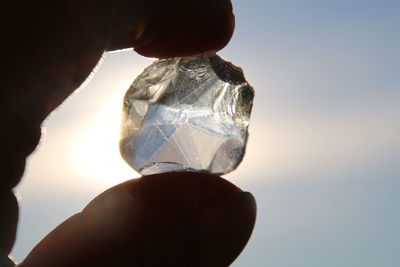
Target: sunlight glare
(96, 151)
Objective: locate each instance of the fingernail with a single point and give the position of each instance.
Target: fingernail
(225, 226)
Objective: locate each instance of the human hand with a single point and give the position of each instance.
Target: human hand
(176, 219)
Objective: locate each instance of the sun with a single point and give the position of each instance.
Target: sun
(96, 150)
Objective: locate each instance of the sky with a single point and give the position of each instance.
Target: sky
(324, 148)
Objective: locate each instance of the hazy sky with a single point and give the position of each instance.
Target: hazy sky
(324, 149)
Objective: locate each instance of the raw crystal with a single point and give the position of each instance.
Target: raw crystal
(186, 114)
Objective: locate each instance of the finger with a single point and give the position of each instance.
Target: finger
(190, 28)
(175, 219)
(8, 221)
(6, 261)
(50, 48)
(226, 224)
(172, 28)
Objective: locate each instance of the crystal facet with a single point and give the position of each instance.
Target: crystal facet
(186, 114)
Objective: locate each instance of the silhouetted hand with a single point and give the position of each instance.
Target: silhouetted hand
(174, 219)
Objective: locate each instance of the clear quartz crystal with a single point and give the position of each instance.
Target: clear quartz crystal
(186, 114)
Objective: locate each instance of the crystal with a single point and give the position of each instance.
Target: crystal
(186, 114)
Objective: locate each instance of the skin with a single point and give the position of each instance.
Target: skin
(173, 219)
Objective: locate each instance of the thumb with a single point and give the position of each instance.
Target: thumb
(173, 219)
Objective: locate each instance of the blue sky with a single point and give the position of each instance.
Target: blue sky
(324, 149)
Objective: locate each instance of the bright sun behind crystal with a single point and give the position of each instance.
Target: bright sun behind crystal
(96, 151)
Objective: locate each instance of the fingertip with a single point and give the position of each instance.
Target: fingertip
(200, 185)
(170, 219)
(192, 29)
(225, 227)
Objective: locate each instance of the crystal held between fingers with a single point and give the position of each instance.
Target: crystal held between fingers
(186, 114)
